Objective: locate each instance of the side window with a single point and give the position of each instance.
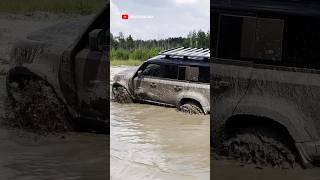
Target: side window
(169, 71)
(152, 70)
(245, 38)
(182, 73)
(192, 73)
(204, 74)
(301, 45)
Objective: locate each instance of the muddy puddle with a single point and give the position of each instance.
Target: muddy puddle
(151, 142)
(230, 170)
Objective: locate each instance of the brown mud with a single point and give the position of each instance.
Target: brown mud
(36, 108)
(262, 147)
(121, 95)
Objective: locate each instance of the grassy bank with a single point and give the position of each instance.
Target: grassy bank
(136, 54)
(129, 62)
(131, 57)
(54, 6)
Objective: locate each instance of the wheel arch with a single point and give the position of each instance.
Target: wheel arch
(198, 98)
(187, 99)
(23, 73)
(116, 84)
(18, 73)
(242, 120)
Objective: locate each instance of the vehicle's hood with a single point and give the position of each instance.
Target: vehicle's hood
(129, 71)
(51, 40)
(62, 34)
(125, 74)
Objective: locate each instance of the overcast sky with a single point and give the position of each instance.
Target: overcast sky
(158, 19)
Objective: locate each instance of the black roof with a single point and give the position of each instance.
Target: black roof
(294, 7)
(179, 61)
(184, 56)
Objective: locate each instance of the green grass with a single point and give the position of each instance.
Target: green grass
(129, 62)
(53, 6)
(136, 54)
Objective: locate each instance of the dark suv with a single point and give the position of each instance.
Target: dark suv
(265, 89)
(178, 77)
(60, 74)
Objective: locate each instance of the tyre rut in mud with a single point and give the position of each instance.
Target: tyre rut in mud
(190, 108)
(262, 147)
(121, 95)
(36, 108)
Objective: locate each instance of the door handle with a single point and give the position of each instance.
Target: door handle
(177, 88)
(220, 84)
(153, 85)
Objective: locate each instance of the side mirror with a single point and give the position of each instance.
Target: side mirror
(97, 40)
(139, 74)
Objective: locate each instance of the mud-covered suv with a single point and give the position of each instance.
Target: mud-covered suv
(59, 77)
(265, 81)
(178, 77)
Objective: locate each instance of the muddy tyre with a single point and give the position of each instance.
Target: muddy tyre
(37, 108)
(121, 95)
(262, 147)
(191, 108)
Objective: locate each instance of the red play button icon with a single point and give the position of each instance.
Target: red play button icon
(125, 16)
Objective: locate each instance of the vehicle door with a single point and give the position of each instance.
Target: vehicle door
(146, 83)
(231, 67)
(196, 84)
(85, 69)
(169, 85)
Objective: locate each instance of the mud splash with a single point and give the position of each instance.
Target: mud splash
(120, 95)
(27, 156)
(36, 108)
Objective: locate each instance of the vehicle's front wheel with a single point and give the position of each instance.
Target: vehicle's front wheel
(121, 95)
(37, 108)
(191, 107)
(261, 146)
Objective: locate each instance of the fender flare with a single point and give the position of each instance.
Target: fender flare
(205, 105)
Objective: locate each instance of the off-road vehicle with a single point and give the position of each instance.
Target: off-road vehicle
(265, 81)
(177, 77)
(59, 78)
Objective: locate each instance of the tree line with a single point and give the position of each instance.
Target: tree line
(125, 48)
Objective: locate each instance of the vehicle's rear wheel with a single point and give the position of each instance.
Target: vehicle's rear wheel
(121, 95)
(37, 108)
(191, 107)
(261, 146)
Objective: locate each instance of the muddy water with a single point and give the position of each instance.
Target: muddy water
(25, 156)
(230, 170)
(152, 142)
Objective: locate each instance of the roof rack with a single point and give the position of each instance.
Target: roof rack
(187, 53)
